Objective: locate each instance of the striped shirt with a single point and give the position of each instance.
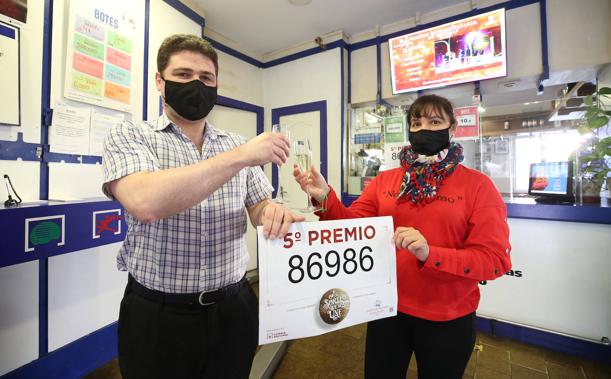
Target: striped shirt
(202, 248)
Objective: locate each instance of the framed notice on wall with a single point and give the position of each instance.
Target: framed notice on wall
(10, 99)
(101, 50)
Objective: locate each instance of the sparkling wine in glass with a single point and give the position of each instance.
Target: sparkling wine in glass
(281, 194)
(302, 149)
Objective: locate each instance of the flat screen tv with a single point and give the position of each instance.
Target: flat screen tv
(551, 181)
(457, 52)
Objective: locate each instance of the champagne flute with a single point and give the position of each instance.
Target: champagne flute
(281, 194)
(303, 154)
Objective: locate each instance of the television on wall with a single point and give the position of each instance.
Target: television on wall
(551, 182)
(461, 51)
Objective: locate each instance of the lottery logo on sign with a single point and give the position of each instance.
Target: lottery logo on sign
(41, 231)
(334, 306)
(106, 222)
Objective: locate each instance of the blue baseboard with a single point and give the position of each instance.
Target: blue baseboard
(548, 340)
(74, 360)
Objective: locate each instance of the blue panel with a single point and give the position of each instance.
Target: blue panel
(74, 360)
(7, 31)
(315, 50)
(574, 213)
(145, 67)
(548, 340)
(41, 231)
(317, 106)
(185, 10)
(12, 150)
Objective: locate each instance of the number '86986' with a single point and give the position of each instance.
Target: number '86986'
(331, 265)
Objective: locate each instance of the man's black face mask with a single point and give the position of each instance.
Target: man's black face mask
(192, 100)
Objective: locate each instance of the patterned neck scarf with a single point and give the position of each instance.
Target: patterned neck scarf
(425, 174)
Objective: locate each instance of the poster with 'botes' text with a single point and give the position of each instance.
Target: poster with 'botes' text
(101, 50)
(324, 276)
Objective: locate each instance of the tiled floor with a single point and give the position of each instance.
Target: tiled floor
(340, 355)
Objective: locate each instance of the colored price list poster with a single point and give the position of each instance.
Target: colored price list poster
(467, 119)
(324, 276)
(99, 66)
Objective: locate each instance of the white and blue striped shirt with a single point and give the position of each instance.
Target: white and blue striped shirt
(202, 248)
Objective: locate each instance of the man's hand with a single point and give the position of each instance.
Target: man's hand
(413, 241)
(276, 220)
(265, 148)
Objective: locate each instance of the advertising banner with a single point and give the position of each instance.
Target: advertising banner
(457, 52)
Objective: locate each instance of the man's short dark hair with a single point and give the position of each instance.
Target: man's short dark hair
(185, 42)
(430, 105)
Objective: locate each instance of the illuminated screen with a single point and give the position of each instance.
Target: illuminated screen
(457, 52)
(550, 178)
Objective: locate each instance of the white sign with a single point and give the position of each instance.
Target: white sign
(101, 54)
(69, 131)
(10, 102)
(100, 124)
(326, 276)
(391, 155)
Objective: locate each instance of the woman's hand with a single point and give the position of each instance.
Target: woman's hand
(311, 181)
(413, 241)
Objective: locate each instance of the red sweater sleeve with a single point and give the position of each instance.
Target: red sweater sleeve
(486, 251)
(365, 206)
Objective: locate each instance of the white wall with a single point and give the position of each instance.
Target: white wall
(313, 78)
(164, 21)
(578, 33)
(240, 80)
(363, 79)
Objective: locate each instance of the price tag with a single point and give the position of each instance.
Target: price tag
(326, 276)
(467, 119)
(391, 155)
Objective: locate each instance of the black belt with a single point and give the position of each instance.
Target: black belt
(202, 298)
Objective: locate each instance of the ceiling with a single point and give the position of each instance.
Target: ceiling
(264, 26)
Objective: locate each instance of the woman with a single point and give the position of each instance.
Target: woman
(451, 232)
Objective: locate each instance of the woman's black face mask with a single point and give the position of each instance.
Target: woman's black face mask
(192, 100)
(429, 142)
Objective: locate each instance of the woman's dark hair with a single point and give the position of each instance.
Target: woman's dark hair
(185, 42)
(431, 105)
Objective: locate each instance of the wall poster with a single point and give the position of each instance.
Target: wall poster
(100, 53)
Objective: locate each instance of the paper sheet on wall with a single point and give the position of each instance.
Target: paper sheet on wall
(101, 51)
(9, 75)
(100, 123)
(69, 130)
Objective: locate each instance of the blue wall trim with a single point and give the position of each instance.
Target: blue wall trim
(12, 150)
(548, 340)
(316, 106)
(226, 49)
(74, 360)
(237, 104)
(6, 31)
(315, 50)
(145, 68)
(544, 52)
(191, 14)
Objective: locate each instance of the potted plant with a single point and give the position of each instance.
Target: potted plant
(595, 158)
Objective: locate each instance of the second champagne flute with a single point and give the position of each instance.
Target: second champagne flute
(303, 154)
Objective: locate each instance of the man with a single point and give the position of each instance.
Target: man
(186, 186)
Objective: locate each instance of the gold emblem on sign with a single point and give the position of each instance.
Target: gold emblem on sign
(334, 306)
